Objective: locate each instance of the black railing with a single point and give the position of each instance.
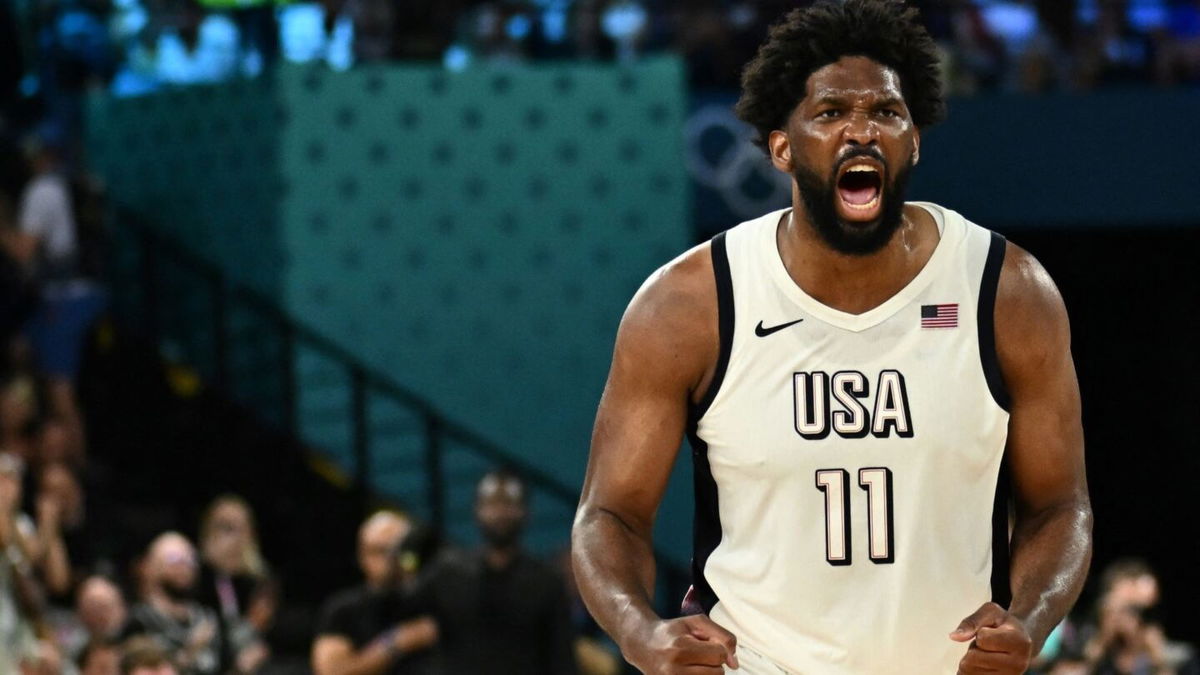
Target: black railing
(156, 253)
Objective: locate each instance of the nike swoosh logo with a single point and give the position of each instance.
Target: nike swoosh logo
(764, 332)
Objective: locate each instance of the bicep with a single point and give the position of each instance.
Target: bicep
(1045, 435)
(636, 437)
(663, 348)
(330, 653)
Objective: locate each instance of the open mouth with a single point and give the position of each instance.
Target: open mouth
(859, 189)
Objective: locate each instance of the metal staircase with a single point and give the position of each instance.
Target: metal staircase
(367, 431)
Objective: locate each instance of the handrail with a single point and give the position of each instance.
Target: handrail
(364, 374)
(436, 426)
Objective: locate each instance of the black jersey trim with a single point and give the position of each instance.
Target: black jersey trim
(1001, 555)
(987, 321)
(706, 521)
(720, 261)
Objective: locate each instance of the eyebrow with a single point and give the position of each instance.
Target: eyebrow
(840, 99)
(831, 99)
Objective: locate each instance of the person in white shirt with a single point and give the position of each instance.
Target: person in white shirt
(47, 245)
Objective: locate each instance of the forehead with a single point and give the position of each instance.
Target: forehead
(229, 510)
(174, 548)
(853, 77)
(99, 588)
(500, 488)
(383, 531)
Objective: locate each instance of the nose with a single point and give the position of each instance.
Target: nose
(860, 129)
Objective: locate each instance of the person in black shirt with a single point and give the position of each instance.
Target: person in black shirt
(498, 609)
(374, 628)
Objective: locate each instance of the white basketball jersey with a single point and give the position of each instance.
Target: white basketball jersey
(848, 466)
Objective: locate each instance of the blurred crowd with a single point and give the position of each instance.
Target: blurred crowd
(1122, 635)
(138, 45)
(53, 51)
(495, 609)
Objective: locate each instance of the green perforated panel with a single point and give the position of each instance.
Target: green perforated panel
(478, 234)
(202, 162)
(475, 235)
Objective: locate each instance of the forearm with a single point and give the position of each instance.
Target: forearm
(373, 659)
(614, 569)
(1051, 551)
(56, 566)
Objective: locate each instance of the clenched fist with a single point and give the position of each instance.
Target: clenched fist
(1001, 642)
(693, 645)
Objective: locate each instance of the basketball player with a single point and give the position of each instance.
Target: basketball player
(865, 382)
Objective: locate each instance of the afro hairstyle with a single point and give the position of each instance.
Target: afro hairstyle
(807, 39)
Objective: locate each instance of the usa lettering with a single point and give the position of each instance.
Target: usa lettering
(843, 403)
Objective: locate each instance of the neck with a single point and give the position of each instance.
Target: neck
(164, 604)
(854, 283)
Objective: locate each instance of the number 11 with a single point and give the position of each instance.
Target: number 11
(877, 482)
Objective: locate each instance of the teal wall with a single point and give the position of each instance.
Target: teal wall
(478, 235)
(474, 235)
(203, 163)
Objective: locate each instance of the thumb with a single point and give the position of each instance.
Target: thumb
(703, 628)
(989, 615)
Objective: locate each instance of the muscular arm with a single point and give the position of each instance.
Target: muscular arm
(665, 350)
(335, 654)
(1052, 538)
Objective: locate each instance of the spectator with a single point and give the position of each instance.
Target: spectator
(234, 580)
(374, 629)
(100, 658)
(169, 613)
(1128, 638)
(146, 657)
(62, 517)
(498, 609)
(20, 598)
(68, 304)
(1114, 51)
(55, 564)
(55, 445)
(257, 27)
(18, 417)
(374, 28)
(1180, 60)
(101, 611)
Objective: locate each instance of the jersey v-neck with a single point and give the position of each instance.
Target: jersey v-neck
(951, 231)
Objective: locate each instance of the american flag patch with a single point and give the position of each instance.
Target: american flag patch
(939, 316)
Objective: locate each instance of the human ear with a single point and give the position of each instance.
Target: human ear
(780, 149)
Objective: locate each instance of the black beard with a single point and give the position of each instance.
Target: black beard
(177, 593)
(852, 238)
(502, 538)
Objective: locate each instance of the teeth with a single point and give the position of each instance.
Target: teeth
(862, 167)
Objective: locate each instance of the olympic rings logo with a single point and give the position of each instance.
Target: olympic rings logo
(743, 176)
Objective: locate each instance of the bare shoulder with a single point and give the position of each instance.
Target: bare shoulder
(1031, 318)
(671, 323)
(678, 291)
